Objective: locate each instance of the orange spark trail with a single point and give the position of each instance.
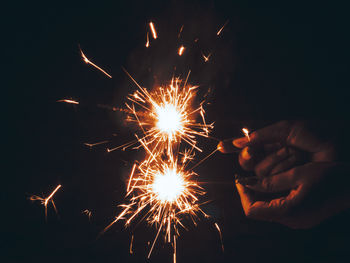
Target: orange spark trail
(95, 144)
(222, 244)
(181, 50)
(147, 40)
(219, 32)
(88, 213)
(130, 249)
(45, 201)
(182, 27)
(87, 61)
(153, 30)
(68, 101)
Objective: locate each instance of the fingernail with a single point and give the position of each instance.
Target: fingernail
(240, 142)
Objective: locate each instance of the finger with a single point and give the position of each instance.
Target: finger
(275, 183)
(249, 157)
(273, 210)
(268, 163)
(285, 165)
(277, 132)
(226, 146)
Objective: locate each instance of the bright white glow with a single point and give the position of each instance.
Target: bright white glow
(168, 186)
(169, 119)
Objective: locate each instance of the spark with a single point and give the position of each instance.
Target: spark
(69, 101)
(95, 144)
(45, 201)
(181, 50)
(182, 27)
(153, 30)
(87, 61)
(220, 30)
(132, 240)
(206, 58)
(246, 133)
(88, 213)
(147, 40)
(220, 234)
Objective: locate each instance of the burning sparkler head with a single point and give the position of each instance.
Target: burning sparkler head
(168, 186)
(169, 119)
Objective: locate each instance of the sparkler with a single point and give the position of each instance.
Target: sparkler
(87, 61)
(166, 116)
(163, 193)
(45, 201)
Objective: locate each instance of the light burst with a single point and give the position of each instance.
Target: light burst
(166, 116)
(163, 193)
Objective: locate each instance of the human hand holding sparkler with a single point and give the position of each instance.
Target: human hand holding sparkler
(296, 172)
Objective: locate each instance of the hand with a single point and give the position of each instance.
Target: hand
(298, 181)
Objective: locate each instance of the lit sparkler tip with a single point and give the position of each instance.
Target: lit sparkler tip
(68, 101)
(181, 50)
(246, 133)
(153, 30)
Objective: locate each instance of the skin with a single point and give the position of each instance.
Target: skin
(298, 180)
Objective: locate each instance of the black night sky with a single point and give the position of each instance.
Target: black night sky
(270, 63)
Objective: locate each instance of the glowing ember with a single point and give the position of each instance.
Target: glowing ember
(181, 50)
(153, 30)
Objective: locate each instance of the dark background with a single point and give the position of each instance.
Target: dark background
(270, 63)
